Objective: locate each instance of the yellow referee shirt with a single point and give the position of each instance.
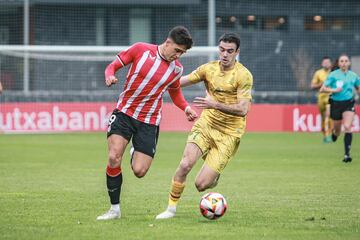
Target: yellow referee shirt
(223, 86)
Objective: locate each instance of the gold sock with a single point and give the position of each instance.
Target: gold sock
(175, 192)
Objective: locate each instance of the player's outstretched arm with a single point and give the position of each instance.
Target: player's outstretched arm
(178, 99)
(325, 89)
(315, 86)
(110, 70)
(185, 81)
(239, 109)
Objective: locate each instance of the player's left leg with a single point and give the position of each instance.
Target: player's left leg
(206, 178)
(144, 143)
(348, 117)
(140, 163)
(223, 149)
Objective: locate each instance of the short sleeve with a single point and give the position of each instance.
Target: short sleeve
(198, 75)
(329, 80)
(245, 84)
(357, 82)
(315, 79)
(128, 55)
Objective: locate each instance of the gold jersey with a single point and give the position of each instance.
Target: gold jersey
(225, 87)
(319, 77)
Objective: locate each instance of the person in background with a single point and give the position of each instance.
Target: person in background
(341, 84)
(323, 98)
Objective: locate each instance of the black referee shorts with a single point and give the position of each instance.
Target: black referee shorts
(337, 108)
(144, 136)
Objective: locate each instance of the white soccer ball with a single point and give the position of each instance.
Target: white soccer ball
(213, 205)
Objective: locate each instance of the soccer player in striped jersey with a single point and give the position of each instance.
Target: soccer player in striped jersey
(154, 69)
(216, 135)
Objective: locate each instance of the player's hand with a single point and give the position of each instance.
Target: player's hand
(191, 115)
(339, 89)
(205, 102)
(111, 80)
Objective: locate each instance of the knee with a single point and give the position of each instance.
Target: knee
(114, 159)
(201, 186)
(347, 128)
(185, 166)
(139, 172)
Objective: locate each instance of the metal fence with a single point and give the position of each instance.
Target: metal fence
(282, 42)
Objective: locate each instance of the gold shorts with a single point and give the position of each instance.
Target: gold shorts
(217, 147)
(323, 101)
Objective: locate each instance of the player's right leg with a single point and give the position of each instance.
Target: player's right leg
(324, 109)
(336, 116)
(223, 149)
(321, 107)
(116, 146)
(206, 178)
(337, 130)
(119, 133)
(191, 154)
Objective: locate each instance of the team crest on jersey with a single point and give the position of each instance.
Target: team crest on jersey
(151, 57)
(231, 80)
(177, 69)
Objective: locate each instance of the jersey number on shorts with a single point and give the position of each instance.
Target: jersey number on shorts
(111, 120)
(194, 135)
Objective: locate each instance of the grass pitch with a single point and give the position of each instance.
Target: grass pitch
(278, 186)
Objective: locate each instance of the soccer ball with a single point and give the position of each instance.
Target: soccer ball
(213, 205)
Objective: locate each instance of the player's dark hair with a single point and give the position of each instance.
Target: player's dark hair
(181, 36)
(326, 57)
(230, 38)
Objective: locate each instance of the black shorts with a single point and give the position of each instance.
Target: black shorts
(144, 136)
(338, 107)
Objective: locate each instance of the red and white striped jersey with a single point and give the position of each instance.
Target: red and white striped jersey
(148, 78)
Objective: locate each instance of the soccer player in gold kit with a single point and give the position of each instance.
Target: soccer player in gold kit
(323, 98)
(216, 135)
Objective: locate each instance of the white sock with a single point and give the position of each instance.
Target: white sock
(171, 208)
(115, 207)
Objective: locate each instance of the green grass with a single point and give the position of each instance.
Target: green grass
(278, 186)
